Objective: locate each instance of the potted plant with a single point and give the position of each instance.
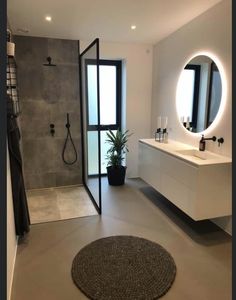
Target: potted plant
(115, 155)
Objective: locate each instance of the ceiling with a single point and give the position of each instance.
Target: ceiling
(109, 20)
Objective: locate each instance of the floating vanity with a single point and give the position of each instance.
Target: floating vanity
(197, 182)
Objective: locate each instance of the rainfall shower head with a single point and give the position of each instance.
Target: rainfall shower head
(49, 64)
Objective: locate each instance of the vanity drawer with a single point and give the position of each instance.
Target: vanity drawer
(178, 193)
(149, 165)
(185, 173)
(202, 191)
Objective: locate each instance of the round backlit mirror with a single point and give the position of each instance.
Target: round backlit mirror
(199, 93)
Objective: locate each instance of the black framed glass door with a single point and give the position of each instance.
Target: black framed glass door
(90, 114)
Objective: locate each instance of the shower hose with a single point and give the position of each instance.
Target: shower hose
(68, 138)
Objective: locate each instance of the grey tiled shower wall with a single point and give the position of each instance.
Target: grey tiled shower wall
(46, 95)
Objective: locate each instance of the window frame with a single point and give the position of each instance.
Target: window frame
(118, 65)
(214, 68)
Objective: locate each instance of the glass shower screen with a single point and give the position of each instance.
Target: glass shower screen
(90, 111)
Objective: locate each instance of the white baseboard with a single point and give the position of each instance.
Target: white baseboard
(13, 269)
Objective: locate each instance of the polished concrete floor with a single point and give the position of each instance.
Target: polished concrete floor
(59, 203)
(202, 252)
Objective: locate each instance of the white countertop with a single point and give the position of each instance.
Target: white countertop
(172, 148)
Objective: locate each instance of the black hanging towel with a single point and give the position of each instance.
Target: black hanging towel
(21, 212)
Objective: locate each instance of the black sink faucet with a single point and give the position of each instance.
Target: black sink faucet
(202, 142)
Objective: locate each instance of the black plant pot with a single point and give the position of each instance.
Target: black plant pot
(116, 175)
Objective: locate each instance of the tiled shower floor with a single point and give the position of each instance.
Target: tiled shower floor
(59, 203)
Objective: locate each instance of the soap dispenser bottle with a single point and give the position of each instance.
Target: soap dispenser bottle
(202, 144)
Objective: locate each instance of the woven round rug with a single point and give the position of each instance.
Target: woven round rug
(123, 268)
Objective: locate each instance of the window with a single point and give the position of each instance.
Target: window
(110, 105)
(189, 93)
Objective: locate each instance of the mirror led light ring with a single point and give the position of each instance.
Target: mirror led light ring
(219, 114)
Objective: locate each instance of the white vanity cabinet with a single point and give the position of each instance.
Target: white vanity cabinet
(200, 188)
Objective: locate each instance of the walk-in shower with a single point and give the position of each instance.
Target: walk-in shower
(50, 124)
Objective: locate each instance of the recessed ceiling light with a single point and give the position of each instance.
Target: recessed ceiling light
(133, 27)
(48, 18)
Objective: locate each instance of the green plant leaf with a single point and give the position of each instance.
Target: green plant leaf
(117, 141)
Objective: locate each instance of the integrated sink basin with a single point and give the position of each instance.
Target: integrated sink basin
(188, 153)
(196, 153)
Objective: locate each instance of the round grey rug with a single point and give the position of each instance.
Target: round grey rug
(123, 268)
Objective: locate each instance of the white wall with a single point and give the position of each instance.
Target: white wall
(11, 235)
(137, 60)
(210, 32)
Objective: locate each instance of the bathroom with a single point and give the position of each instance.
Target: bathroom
(150, 72)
